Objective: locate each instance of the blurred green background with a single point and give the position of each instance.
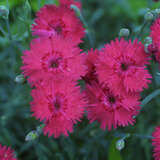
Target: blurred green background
(88, 142)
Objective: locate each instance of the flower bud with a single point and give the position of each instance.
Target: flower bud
(120, 144)
(148, 16)
(148, 40)
(31, 136)
(20, 79)
(146, 48)
(157, 11)
(4, 12)
(124, 32)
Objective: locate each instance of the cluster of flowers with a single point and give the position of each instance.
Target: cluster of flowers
(114, 76)
(53, 65)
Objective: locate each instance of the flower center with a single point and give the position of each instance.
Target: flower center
(54, 63)
(58, 29)
(111, 99)
(56, 103)
(124, 66)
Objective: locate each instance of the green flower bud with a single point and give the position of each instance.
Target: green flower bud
(20, 79)
(31, 136)
(120, 144)
(124, 32)
(146, 48)
(4, 12)
(148, 16)
(148, 40)
(157, 11)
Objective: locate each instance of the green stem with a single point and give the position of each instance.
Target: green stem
(79, 14)
(3, 32)
(8, 28)
(88, 30)
(127, 135)
(150, 97)
(7, 24)
(141, 30)
(150, 3)
(39, 4)
(142, 136)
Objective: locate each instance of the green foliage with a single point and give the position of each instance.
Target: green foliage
(88, 142)
(113, 152)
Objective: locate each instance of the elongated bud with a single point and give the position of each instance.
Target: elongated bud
(4, 12)
(124, 32)
(20, 79)
(148, 16)
(31, 136)
(120, 144)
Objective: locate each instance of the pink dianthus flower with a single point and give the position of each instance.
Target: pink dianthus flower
(156, 143)
(6, 153)
(59, 105)
(110, 109)
(121, 65)
(52, 58)
(53, 20)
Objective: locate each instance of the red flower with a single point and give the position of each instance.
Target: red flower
(121, 65)
(59, 105)
(6, 153)
(52, 58)
(110, 109)
(90, 60)
(155, 31)
(52, 20)
(156, 143)
(69, 2)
